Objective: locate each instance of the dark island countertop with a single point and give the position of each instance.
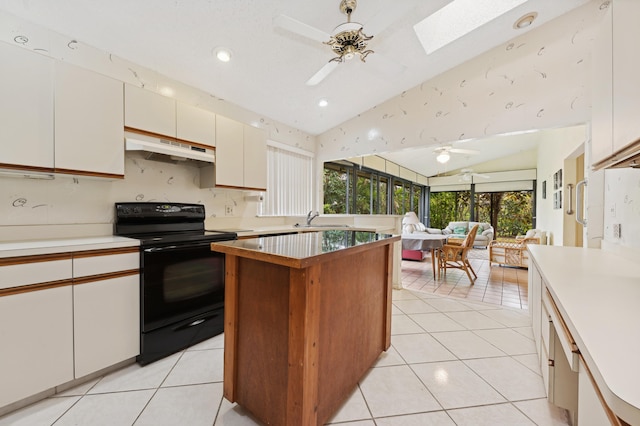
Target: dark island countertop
(304, 249)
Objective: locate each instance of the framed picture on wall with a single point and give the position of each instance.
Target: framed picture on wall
(560, 179)
(544, 190)
(559, 198)
(555, 181)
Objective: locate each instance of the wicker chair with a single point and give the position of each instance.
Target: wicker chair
(454, 256)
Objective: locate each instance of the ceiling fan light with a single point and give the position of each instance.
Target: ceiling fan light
(443, 157)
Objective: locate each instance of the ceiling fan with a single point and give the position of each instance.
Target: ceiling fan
(468, 175)
(348, 39)
(443, 153)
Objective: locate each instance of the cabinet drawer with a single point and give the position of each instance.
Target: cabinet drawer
(34, 270)
(97, 264)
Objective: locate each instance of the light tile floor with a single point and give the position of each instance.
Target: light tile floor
(506, 286)
(452, 362)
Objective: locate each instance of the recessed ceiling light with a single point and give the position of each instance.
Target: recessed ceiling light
(223, 54)
(525, 21)
(323, 103)
(458, 19)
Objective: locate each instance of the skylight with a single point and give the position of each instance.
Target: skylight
(459, 18)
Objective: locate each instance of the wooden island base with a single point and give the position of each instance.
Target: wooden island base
(300, 333)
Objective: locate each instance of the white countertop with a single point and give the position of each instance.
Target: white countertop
(36, 247)
(598, 295)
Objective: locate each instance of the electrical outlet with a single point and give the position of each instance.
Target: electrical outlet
(228, 210)
(617, 231)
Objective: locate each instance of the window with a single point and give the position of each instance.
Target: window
(289, 181)
(449, 206)
(353, 189)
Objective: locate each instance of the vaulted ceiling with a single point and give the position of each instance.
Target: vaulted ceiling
(271, 61)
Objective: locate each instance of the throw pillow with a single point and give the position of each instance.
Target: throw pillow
(461, 230)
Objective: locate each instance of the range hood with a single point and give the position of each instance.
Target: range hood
(168, 150)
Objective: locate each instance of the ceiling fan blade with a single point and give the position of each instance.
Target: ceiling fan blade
(322, 73)
(293, 25)
(464, 151)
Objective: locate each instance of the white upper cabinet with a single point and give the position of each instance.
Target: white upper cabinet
(255, 158)
(616, 85)
(89, 126)
(149, 111)
(626, 82)
(241, 155)
(195, 124)
(229, 167)
(602, 92)
(26, 108)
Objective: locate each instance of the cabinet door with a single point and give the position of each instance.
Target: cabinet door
(591, 412)
(195, 124)
(106, 323)
(26, 108)
(229, 153)
(255, 158)
(602, 91)
(37, 342)
(89, 126)
(149, 111)
(626, 83)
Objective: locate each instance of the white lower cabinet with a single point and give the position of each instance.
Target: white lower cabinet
(36, 340)
(63, 316)
(590, 409)
(106, 322)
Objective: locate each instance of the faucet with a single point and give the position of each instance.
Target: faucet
(311, 215)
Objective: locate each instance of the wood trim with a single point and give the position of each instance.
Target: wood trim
(169, 138)
(613, 419)
(88, 173)
(244, 188)
(25, 168)
(36, 258)
(107, 276)
(563, 325)
(35, 287)
(388, 253)
(106, 252)
(230, 377)
(620, 156)
(304, 328)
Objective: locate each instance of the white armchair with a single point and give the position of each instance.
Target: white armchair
(532, 235)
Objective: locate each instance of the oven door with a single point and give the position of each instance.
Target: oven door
(180, 281)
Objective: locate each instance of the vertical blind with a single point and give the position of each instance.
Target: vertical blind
(289, 182)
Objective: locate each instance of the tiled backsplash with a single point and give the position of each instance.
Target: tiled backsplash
(622, 206)
(69, 200)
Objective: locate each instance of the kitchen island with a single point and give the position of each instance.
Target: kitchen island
(306, 316)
